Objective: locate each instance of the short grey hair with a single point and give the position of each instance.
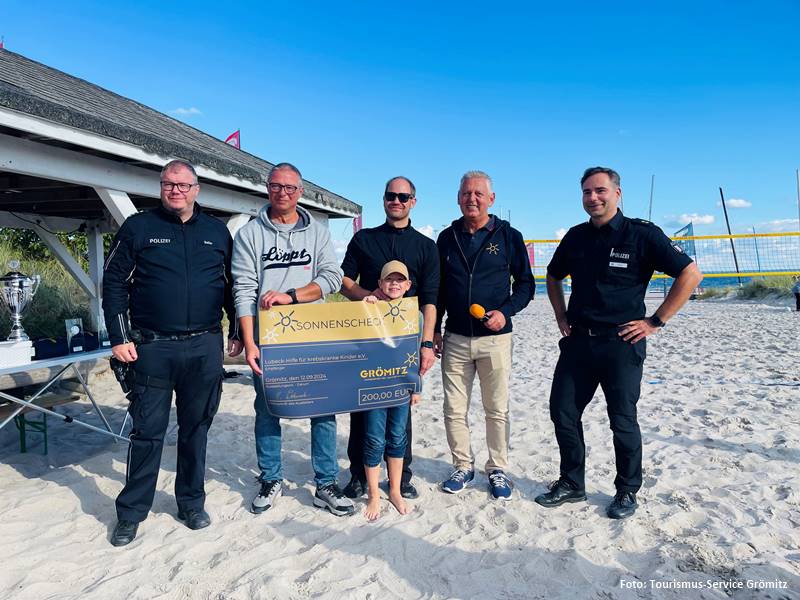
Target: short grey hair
(475, 175)
(288, 167)
(179, 163)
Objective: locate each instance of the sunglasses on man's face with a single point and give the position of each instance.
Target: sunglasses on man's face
(392, 196)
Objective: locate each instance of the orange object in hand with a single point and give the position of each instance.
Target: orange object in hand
(477, 311)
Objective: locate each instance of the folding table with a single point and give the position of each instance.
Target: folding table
(63, 364)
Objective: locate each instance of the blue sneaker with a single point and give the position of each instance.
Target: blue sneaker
(500, 485)
(457, 481)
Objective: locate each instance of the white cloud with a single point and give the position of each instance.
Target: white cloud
(686, 218)
(778, 226)
(560, 233)
(187, 112)
(427, 230)
(736, 203)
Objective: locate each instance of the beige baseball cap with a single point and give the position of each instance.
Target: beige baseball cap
(394, 266)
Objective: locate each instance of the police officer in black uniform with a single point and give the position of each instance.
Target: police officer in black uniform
(169, 269)
(610, 259)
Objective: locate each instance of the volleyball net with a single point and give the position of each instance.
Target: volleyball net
(745, 255)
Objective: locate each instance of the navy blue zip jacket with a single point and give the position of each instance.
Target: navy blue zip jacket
(485, 280)
(172, 277)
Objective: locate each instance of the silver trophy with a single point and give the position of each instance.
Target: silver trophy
(17, 291)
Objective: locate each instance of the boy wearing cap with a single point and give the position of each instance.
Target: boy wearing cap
(386, 427)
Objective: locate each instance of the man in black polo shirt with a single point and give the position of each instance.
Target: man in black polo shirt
(367, 252)
(610, 259)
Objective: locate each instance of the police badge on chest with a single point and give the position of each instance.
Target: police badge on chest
(616, 258)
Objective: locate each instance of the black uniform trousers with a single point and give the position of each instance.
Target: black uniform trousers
(615, 365)
(355, 447)
(192, 368)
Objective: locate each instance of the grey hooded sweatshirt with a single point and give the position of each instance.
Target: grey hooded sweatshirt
(265, 258)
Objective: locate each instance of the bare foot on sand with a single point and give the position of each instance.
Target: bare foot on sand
(373, 510)
(397, 500)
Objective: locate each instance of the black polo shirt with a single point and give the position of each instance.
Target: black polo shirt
(371, 248)
(610, 268)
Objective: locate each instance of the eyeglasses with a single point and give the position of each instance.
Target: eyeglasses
(277, 187)
(168, 186)
(392, 196)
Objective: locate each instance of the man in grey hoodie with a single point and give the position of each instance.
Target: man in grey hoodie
(282, 257)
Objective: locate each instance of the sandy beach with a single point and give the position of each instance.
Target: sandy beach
(719, 509)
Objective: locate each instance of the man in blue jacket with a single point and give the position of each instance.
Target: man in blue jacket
(483, 261)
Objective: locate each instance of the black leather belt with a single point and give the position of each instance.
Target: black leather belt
(580, 330)
(155, 336)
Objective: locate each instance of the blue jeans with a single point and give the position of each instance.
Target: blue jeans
(268, 443)
(385, 430)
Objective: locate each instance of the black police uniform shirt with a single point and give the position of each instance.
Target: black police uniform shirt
(172, 277)
(611, 266)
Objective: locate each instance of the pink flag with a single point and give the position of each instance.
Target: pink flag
(356, 224)
(234, 140)
(531, 254)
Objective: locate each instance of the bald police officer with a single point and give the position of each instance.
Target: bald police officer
(610, 259)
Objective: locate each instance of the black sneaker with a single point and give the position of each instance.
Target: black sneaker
(623, 506)
(356, 488)
(195, 519)
(269, 492)
(331, 497)
(124, 533)
(408, 490)
(561, 491)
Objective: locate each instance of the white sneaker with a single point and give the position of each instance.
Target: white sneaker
(332, 498)
(270, 490)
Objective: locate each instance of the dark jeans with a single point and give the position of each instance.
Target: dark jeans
(797, 300)
(355, 447)
(385, 434)
(191, 368)
(616, 366)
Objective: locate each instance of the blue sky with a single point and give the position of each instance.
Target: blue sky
(699, 94)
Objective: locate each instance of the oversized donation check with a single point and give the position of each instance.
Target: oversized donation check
(321, 359)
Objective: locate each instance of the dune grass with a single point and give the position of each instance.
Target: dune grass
(769, 286)
(754, 289)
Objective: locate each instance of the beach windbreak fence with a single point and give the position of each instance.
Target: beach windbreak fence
(758, 255)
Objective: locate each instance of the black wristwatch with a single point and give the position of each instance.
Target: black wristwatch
(656, 321)
(427, 344)
(292, 294)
